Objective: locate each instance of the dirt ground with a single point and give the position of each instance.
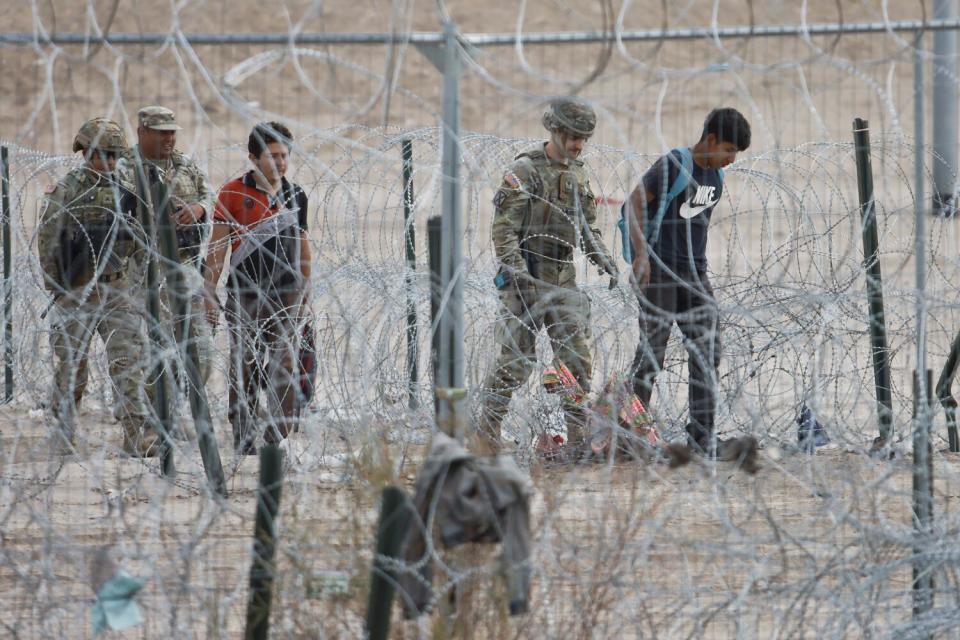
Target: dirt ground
(812, 546)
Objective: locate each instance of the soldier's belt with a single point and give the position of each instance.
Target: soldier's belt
(555, 252)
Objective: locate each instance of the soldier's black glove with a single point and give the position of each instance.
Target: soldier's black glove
(606, 265)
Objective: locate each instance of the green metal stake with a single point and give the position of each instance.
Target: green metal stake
(434, 233)
(7, 281)
(179, 298)
(413, 354)
(871, 263)
(162, 396)
(394, 519)
(923, 587)
(945, 393)
(262, 569)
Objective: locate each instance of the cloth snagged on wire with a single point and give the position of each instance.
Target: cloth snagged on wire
(115, 607)
(468, 499)
(810, 433)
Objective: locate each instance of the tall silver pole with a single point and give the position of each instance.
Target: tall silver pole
(922, 453)
(944, 107)
(450, 381)
(919, 177)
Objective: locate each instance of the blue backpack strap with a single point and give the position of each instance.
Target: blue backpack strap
(678, 186)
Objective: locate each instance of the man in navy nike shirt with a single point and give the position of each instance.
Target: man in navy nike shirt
(668, 215)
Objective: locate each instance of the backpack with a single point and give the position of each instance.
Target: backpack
(678, 186)
(273, 267)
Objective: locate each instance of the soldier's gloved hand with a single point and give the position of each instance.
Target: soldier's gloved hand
(509, 279)
(607, 266)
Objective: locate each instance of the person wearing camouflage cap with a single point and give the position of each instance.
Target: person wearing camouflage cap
(193, 201)
(100, 134)
(89, 241)
(572, 116)
(544, 209)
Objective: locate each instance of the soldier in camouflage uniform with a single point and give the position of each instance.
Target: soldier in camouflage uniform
(193, 199)
(89, 242)
(544, 209)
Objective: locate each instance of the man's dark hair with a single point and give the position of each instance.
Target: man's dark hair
(728, 125)
(265, 133)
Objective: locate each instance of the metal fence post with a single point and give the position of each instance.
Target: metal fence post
(262, 567)
(922, 494)
(871, 265)
(7, 280)
(394, 518)
(147, 203)
(180, 302)
(451, 394)
(945, 393)
(944, 109)
(410, 245)
(440, 373)
(923, 377)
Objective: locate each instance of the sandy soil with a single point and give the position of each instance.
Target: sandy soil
(810, 547)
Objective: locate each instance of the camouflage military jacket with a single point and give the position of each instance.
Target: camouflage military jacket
(88, 228)
(188, 184)
(549, 208)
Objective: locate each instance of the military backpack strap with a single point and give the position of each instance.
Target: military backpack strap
(536, 191)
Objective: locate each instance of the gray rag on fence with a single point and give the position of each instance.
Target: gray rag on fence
(468, 499)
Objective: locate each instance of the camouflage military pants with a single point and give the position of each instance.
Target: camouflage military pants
(564, 311)
(264, 354)
(114, 313)
(200, 334)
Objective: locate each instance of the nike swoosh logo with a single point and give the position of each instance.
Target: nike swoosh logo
(692, 212)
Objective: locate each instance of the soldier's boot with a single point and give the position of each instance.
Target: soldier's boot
(141, 442)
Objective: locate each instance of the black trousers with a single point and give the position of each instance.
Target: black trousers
(264, 326)
(685, 299)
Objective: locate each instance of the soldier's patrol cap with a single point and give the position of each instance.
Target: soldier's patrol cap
(158, 118)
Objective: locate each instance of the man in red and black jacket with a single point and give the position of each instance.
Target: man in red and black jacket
(261, 217)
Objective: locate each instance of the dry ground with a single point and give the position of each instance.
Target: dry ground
(809, 547)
